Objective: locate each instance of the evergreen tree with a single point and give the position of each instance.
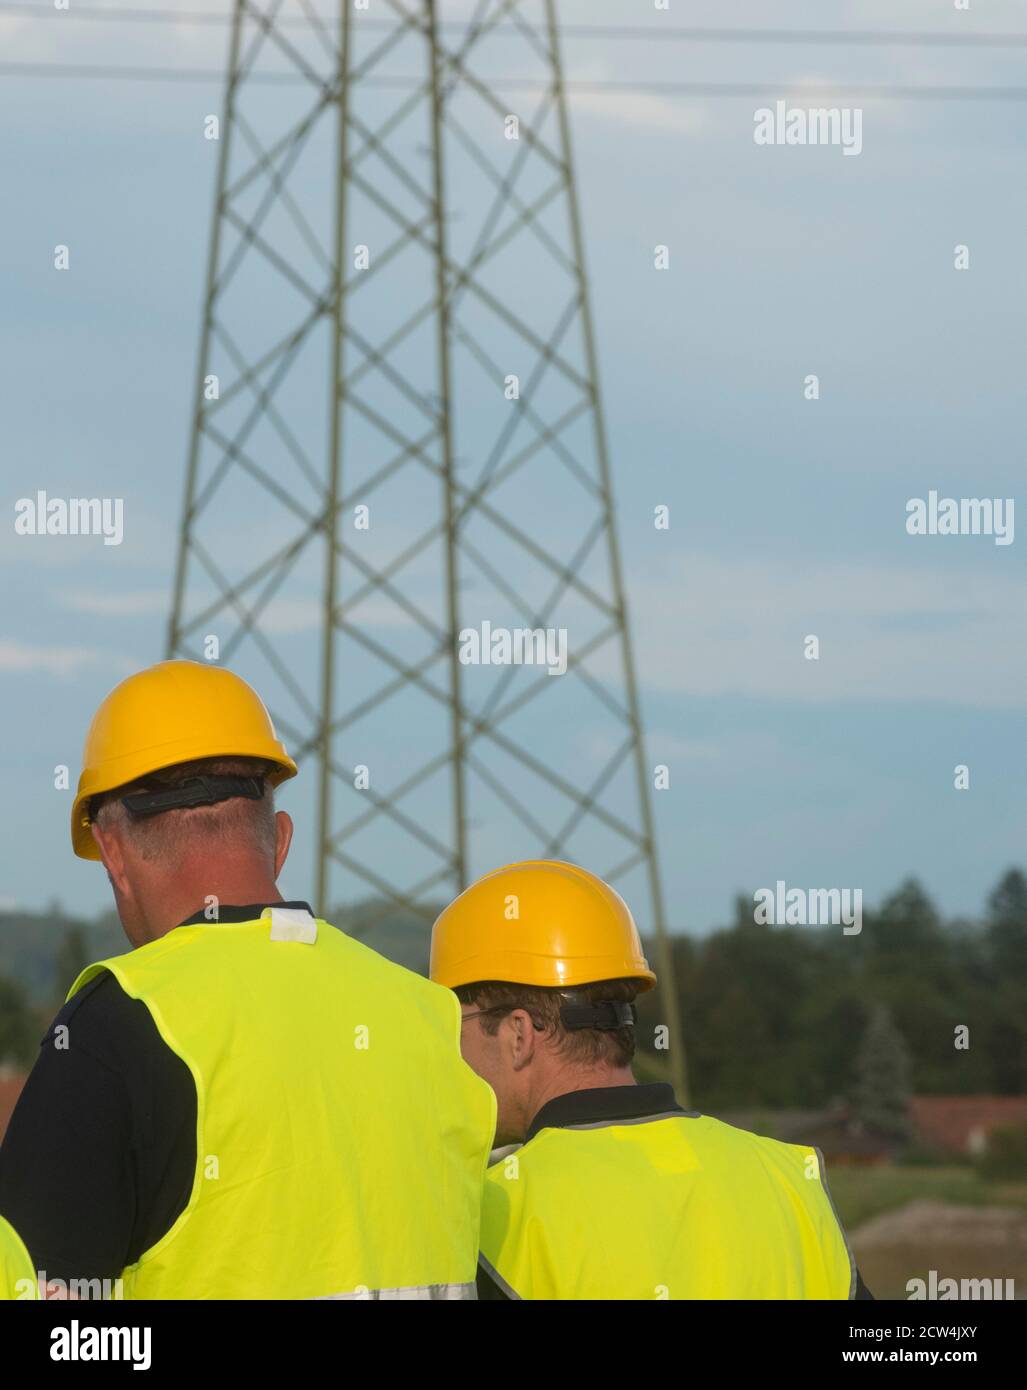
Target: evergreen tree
(908, 922)
(1007, 926)
(71, 959)
(18, 1030)
(882, 1094)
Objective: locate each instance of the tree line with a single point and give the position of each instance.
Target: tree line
(778, 1015)
(786, 1017)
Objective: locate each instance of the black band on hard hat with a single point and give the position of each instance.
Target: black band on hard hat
(607, 1015)
(204, 790)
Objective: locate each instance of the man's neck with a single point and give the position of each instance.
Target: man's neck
(182, 902)
(568, 1079)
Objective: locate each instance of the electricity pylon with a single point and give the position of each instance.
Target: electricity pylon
(398, 439)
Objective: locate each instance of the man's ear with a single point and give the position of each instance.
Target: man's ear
(521, 1037)
(283, 839)
(108, 843)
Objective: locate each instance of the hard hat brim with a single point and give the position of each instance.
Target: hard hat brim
(516, 968)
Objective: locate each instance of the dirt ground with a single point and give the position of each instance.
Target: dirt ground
(957, 1242)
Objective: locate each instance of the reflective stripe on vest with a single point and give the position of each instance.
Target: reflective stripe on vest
(437, 1293)
(674, 1206)
(341, 1141)
(17, 1272)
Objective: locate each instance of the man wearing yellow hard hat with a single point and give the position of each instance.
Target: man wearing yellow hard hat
(616, 1192)
(248, 1104)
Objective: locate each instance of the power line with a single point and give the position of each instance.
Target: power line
(858, 36)
(888, 91)
(652, 33)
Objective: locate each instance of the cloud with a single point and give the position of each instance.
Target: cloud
(288, 615)
(650, 111)
(18, 658)
(279, 617)
(118, 604)
(671, 747)
(710, 626)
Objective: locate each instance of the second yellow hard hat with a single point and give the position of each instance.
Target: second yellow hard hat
(541, 922)
(171, 713)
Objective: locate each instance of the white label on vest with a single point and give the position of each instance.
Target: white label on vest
(291, 924)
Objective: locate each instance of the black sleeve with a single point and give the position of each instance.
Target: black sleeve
(100, 1153)
(488, 1290)
(861, 1289)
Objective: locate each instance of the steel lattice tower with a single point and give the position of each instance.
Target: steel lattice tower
(398, 436)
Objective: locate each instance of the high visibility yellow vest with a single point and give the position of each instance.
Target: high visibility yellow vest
(17, 1273)
(341, 1141)
(673, 1207)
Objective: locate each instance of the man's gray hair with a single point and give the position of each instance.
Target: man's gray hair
(171, 834)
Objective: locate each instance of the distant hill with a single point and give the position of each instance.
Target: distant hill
(31, 943)
(395, 932)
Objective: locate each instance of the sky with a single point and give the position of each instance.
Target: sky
(788, 515)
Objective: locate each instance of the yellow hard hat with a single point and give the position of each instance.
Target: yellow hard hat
(171, 713)
(542, 923)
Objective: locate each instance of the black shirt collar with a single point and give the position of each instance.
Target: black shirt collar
(606, 1105)
(230, 913)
